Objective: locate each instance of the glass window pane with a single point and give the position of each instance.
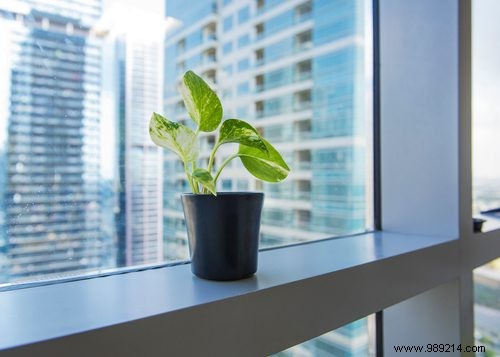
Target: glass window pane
(353, 340)
(82, 186)
(487, 308)
(227, 23)
(243, 41)
(244, 14)
(486, 113)
(243, 65)
(227, 48)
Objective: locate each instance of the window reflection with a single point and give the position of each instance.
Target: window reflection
(353, 340)
(486, 113)
(487, 307)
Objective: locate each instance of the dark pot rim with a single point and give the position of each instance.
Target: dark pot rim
(236, 193)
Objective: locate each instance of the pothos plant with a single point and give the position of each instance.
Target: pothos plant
(258, 156)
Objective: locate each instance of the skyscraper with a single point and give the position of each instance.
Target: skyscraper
(50, 73)
(299, 71)
(134, 65)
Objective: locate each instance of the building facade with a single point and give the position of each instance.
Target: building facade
(297, 70)
(139, 189)
(49, 140)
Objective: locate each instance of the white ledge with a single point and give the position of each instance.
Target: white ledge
(167, 311)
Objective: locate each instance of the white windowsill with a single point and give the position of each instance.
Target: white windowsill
(339, 279)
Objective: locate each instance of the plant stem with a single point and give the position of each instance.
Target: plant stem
(193, 167)
(222, 166)
(212, 157)
(190, 179)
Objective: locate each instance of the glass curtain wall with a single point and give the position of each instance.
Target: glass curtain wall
(486, 114)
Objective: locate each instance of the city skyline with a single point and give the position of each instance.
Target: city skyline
(120, 84)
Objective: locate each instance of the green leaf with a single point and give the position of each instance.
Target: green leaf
(201, 102)
(238, 131)
(174, 136)
(267, 166)
(205, 179)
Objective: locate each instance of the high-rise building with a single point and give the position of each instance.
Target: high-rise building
(299, 71)
(50, 72)
(134, 69)
(196, 33)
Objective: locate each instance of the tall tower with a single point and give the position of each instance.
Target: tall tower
(133, 68)
(297, 70)
(49, 140)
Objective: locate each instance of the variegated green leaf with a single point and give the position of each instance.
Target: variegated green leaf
(268, 166)
(205, 179)
(201, 102)
(174, 136)
(239, 131)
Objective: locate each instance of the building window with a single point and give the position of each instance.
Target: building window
(227, 23)
(242, 112)
(228, 70)
(243, 65)
(243, 15)
(243, 41)
(227, 48)
(227, 185)
(243, 88)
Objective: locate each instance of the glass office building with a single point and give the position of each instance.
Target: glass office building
(49, 139)
(300, 72)
(139, 177)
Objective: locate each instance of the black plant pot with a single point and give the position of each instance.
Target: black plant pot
(223, 233)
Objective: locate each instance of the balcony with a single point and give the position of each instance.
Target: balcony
(303, 12)
(302, 17)
(303, 76)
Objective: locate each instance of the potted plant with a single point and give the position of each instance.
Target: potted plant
(223, 228)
